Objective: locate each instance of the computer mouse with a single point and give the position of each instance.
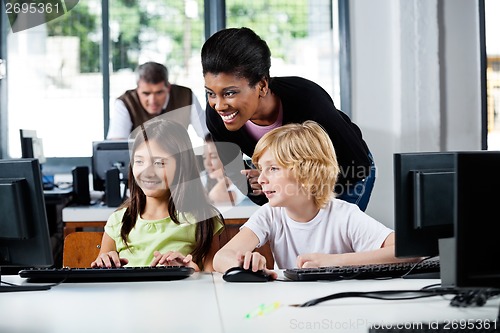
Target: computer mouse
(239, 274)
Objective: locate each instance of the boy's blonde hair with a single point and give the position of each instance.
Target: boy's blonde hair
(305, 149)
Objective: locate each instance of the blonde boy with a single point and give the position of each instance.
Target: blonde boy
(304, 223)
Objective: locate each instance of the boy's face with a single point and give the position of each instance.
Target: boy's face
(278, 183)
(153, 169)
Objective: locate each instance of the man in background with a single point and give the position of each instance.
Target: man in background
(154, 96)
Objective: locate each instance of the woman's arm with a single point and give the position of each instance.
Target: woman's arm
(385, 254)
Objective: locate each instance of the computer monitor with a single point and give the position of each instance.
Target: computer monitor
(110, 155)
(24, 231)
(424, 202)
(476, 237)
(31, 145)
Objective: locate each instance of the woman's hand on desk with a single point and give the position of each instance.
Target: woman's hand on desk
(173, 258)
(109, 259)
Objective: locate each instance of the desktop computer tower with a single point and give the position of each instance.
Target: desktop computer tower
(113, 195)
(81, 189)
(470, 258)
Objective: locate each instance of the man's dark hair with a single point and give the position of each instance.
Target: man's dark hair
(152, 72)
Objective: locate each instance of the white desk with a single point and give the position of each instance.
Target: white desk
(205, 303)
(188, 305)
(342, 315)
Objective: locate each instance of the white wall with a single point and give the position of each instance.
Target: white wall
(415, 82)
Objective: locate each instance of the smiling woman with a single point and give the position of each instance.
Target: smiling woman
(244, 102)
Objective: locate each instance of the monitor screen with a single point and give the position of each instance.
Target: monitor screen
(31, 145)
(108, 155)
(476, 236)
(423, 202)
(24, 232)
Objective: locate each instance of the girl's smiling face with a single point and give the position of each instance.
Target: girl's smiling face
(153, 169)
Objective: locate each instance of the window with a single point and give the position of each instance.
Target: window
(300, 35)
(57, 84)
(167, 32)
(492, 29)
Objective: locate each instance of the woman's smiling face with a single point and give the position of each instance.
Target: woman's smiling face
(233, 99)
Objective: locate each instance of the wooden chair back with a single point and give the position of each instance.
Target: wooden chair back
(232, 229)
(81, 248)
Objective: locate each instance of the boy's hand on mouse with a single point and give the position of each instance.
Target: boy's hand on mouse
(255, 262)
(253, 179)
(109, 260)
(173, 258)
(251, 260)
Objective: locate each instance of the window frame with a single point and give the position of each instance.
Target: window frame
(215, 19)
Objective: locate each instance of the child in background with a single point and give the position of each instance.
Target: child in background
(303, 221)
(167, 220)
(221, 190)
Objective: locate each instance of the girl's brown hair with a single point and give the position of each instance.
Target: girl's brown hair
(186, 193)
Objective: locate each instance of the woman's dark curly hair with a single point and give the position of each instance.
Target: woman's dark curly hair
(238, 51)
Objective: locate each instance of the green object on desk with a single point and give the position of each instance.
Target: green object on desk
(263, 309)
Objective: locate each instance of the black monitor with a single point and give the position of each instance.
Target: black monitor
(110, 160)
(31, 145)
(24, 231)
(477, 249)
(423, 202)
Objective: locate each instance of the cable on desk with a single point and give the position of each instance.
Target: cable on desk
(463, 298)
(392, 295)
(415, 265)
(12, 287)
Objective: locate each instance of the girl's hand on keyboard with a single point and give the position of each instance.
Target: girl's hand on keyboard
(109, 260)
(173, 258)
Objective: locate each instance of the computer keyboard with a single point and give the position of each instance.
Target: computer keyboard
(54, 275)
(424, 269)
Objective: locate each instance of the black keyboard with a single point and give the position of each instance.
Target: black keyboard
(54, 275)
(452, 326)
(424, 269)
